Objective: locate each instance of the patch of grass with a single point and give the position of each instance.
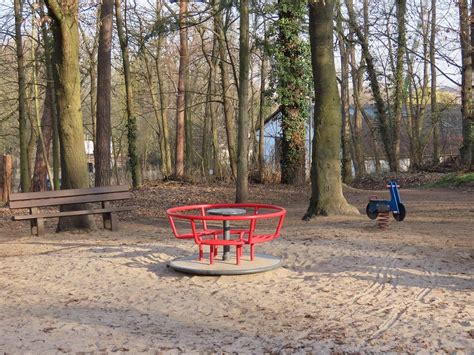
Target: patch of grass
(454, 180)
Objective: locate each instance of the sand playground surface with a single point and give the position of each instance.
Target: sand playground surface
(345, 285)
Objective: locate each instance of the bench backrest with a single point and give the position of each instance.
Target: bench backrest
(69, 197)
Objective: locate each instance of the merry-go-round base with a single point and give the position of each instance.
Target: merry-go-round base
(192, 265)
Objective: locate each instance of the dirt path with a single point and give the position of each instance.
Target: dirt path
(345, 286)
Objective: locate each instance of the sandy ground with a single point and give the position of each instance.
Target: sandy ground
(345, 286)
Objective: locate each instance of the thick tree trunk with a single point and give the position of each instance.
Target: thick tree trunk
(103, 133)
(25, 179)
(292, 90)
(71, 134)
(326, 196)
(53, 82)
(241, 194)
(466, 89)
(131, 119)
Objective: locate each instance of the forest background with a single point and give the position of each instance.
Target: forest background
(170, 72)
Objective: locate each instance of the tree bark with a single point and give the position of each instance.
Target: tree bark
(103, 133)
(53, 82)
(466, 89)
(398, 106)
(181, 97)
(131, 119)
(434, 101)
(356, 128)
(292, 89)
(41, 147)
(326, 186)
(344, 85)
(163, 113)
(41, 171)
(71, 134)
(188, 126)
(261, 112)
(243, 127)
(25, 178)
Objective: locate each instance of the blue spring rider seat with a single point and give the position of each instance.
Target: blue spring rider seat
(393, 205)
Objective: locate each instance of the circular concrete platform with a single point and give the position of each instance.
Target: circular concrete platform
(191, 265)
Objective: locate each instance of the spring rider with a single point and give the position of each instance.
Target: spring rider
(382, 208)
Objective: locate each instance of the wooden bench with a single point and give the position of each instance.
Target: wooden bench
(103, 195)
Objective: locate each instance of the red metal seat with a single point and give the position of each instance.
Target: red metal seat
(205, 236)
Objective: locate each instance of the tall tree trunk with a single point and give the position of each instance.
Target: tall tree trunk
(261, 112)
(434, 101)
(156, 110)
(471, 129)
(357, 132)
(326, 195)
(466, 89)
(241, 194)
(292, 89)
(103, 133)
(53, 80)
(188, 128)
(163, 112)
(41, 147)
(181, 97)
(131, 119)
(71, 133)
(397, 119)
(41, 171)
(228, 106)
(344, 84)
(25, 178)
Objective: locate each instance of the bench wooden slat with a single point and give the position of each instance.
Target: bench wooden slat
(69, 200)
(70, 213)
(22, 196)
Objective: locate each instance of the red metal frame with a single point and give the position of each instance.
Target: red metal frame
(256, 211)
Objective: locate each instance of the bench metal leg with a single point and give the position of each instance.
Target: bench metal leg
(110, 221)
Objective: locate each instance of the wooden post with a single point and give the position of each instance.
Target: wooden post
(7, 177)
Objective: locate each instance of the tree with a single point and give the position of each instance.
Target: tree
(25, 181)
(71, 134)
(104, 82)
(467, 158)
(226, 101)
(344, 85)
(399, 79)
(292, 57)
(243, 125)
(434, 101)
(383, 119)
(326, 186)
(181, 98)
(131, 118)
